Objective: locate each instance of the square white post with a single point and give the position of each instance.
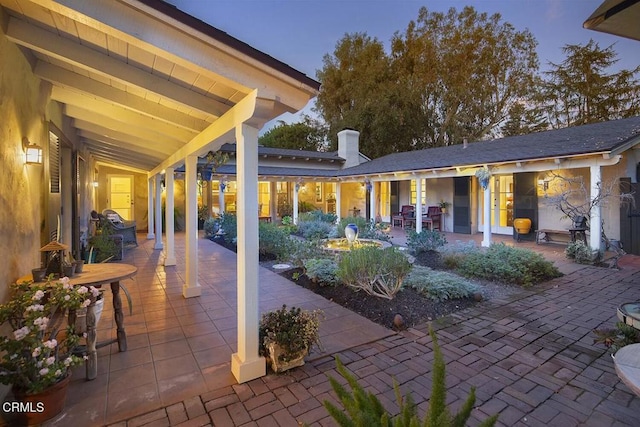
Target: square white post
(338, 204)
(273, 201)
(191, 286)
(418, 205)
(150, 214)
(486, 233)
(170, 254)
(372, 202)
(595, 223)
(296, 188)
(158, 212)
(246, 364)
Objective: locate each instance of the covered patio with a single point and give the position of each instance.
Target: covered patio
(530, 355)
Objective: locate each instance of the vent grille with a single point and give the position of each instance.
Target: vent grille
(54, 163)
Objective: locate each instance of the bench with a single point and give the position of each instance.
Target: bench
(561, 236)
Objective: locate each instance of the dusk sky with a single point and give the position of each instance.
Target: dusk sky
(300, 32)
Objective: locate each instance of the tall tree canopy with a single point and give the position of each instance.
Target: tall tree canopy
(308, 134)
(579, 90)
(448, 77)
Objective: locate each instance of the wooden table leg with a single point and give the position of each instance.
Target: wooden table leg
(91, 365)
(119, 316)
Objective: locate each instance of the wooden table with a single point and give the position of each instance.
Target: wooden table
(96, 275)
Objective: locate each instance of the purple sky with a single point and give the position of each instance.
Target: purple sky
(300, 32)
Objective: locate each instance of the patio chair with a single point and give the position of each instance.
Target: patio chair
(434, 213)
(119, 225)
(404, 217)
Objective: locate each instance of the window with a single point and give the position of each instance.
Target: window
(413, 193)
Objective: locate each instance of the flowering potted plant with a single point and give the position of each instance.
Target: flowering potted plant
(37, 353)
(287, 335)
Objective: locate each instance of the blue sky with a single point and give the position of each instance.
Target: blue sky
(300, 32)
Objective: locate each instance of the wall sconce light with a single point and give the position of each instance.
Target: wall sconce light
(544, 183)
(95, 184)
(32, 152)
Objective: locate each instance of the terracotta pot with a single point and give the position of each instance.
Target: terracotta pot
(44, 405)
(278, 365)
(522, 225)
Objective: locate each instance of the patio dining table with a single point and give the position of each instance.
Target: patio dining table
(96, 275)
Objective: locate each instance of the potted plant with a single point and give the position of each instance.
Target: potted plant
(37, 353)
(443, 206)
(287, 335)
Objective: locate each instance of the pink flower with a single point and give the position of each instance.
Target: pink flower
(44, 371)
(19, 334)
(50, 344)
(38, 295)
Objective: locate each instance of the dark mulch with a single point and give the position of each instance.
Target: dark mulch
(412, 306)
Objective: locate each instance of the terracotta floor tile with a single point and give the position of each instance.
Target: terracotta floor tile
(212, 356)
(206, 341)
(182, 387)
(201, 328)
(132, 401)
(130, 358)
(176, 366)
(166, 335)
(170, 349)
(131, 377)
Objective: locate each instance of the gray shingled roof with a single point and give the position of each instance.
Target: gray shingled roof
(281, 171)
(594, 138)
(284, 152)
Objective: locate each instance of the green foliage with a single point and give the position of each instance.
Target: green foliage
(378, 272)
(318, 215)
(364, 409)
(211, 227)
(309, 134)
(453, 254)
(284, 209)
(294, 330)
(287, 220)
(274, 240)
(439, 285)
(448, 76)
(306, 207)
(104, 244)
(579, 90)
(322, 270)
(424, 241)
(615, 339)
(229, 225)
(508, 264)
(303, 250)
(314, 229)
(580, 252)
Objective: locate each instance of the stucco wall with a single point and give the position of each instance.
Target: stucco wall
(23, 100)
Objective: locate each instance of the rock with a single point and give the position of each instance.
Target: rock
(478, 297)
(398, 322)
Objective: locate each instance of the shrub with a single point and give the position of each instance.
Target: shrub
(362, 408)
(439, 285)
(508, 264)
(295, 330)
(452, 255)
(211, 227)
(378, 272)
(425, 241)
(314, 229)
(274, 240)
(303, 250)
(306, 207)
(322, 270)
(229, 225)
(615, 339)
(579, 252)
(318, 215)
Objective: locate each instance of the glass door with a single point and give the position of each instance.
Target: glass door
(502, 212)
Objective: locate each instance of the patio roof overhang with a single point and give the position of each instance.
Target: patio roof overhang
(618, 17)
(140, 80)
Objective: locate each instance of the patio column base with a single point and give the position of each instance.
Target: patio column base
(191, 291)
(169, 262)
(158, 245)
(248, 370)
(151, 236)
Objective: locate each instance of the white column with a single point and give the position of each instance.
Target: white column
(273, 201)
(246, 364)
(372, 201)
(158, 212)
(221, 187)
(595, 223)
(191, 287)
(150, 214)
(170, 254)
(338, 197)
(418, 205)
(296, 188)
(488, 203)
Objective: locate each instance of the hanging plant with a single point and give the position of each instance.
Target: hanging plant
(483, 176)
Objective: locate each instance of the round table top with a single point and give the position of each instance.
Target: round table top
(97, 274)
(627, 362)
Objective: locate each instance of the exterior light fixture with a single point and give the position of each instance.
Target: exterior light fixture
(544, 183)
(33, 152)
(95, 184)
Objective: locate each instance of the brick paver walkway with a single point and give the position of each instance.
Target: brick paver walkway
(530, 356)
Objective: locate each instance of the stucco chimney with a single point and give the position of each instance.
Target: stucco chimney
(349, 147)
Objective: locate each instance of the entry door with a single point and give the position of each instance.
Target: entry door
(462, 205)
(120, 197)
(502, 209)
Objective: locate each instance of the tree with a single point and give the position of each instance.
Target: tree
(309, 134)
(523, 119)
(448, 77)
(579, 90)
